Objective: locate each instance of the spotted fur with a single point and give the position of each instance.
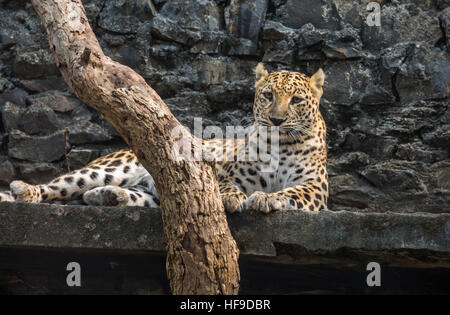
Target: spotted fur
(285, 100)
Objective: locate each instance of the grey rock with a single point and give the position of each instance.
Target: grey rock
(211, 43)
(35, 119)
(79, 157)
(21, 25)
(280, 43)
(276, 31)
(191, 23)
(169, 84)
(87, 132)
(352, 159)
(424, 74)
(315, 43)
(11, 115)
(80, 113)
(230, 95)
(114, 40)
(377, 95)
(400, 22)
(164, 51)
(296, 13)
(36, 148)
(125, 16)
(208, 70)
(443, 178)
(417, 151)
(442, 4)
(127, 54)
(38, 173)
(244, 21)
(439, 136)
(445, 22)
(407, 119)
(108, 127)
(3, 141)
(35, 64)
(6, 41)
(348, 191)
(242, 47)
(348, 83)
(393, 57)
(52, 82)
(16, 96)
(388, 176)
(187, 106)
(410, 184)
(57, 100)
(158, 2)
(93, 8)
(201, 15)
(5, 84)
(282, 52)
(168, 29)
(382, 148)
(39, 119)
(7, 171)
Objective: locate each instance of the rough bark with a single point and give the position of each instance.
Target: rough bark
(201, 253)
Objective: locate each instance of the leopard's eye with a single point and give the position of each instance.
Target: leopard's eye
(268, 95)
(296, 99)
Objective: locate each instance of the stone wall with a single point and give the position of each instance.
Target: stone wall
(385, 100)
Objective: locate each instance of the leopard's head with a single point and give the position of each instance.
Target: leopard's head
(287, 99)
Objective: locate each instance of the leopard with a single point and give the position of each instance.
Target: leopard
(285, 101)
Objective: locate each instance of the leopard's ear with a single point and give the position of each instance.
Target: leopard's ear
(260, 73)
(316, 82)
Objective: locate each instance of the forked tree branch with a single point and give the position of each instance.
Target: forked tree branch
(201, 253)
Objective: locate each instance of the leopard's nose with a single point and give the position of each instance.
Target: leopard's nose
(277, 121)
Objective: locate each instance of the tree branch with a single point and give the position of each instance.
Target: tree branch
(201, 253)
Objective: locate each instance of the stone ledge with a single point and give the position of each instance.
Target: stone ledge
(297, 232)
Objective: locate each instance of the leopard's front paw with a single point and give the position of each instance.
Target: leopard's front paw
(233, 202)
(265, 202)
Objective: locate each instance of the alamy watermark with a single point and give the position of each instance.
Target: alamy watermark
(237, 144)
(374, 17)
(374, 277)
(73, 279)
